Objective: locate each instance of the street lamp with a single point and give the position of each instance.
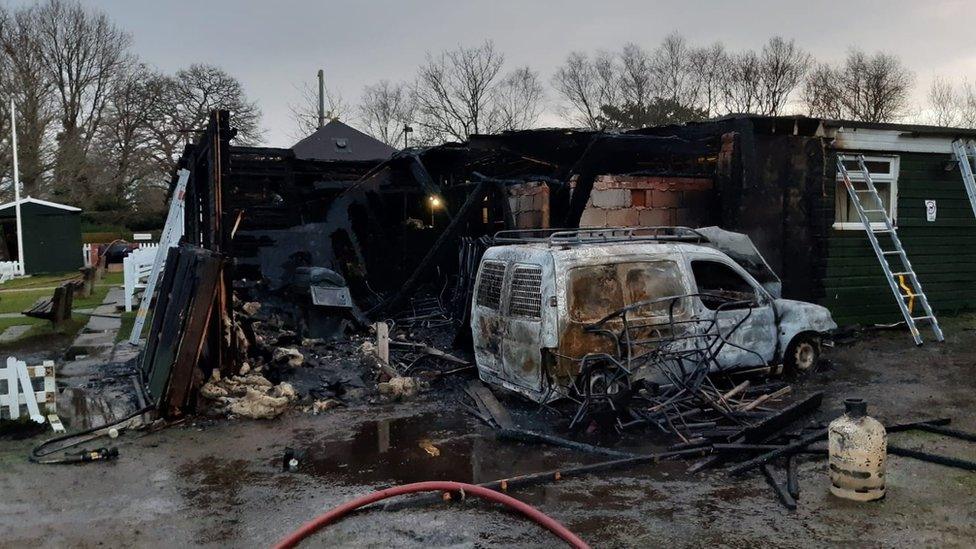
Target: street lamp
(406, 130)
(435, 203)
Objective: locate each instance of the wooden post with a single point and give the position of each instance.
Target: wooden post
(383, 342)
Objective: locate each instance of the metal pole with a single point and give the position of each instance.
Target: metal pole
(20, 227)
(321, 98)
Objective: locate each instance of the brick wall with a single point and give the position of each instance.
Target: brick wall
(530, 205)
(628, 201)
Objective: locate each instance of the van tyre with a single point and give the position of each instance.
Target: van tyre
(802, 355)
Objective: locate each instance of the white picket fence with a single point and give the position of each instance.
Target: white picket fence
(20, 390)
(8, 269)
(136, 268)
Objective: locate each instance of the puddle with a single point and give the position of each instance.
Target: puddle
(428, 447)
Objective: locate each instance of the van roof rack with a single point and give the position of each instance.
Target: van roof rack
(571, 237)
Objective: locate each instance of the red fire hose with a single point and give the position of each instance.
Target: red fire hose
(337, 513)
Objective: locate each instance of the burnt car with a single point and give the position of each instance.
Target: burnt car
(551, 305)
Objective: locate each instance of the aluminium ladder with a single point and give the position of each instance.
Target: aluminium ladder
(965, 152)
(172, 231)
(877, 206)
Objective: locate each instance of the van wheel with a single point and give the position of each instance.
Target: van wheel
(802, 355)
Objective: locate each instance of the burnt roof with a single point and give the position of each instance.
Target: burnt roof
(339, 141)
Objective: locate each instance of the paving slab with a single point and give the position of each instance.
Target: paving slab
(14, 333)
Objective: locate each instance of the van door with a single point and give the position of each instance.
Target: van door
(506, 321)
(753, 343)
(522, 327)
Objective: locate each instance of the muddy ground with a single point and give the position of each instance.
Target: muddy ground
(220, 483)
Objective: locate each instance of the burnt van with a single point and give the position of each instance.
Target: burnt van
(543, 298)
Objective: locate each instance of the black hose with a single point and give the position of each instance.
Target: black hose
(38, 451)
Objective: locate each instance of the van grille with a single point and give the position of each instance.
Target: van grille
(526, 297)
(490, 289)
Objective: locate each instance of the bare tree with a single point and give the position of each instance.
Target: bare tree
(518, 100)
(944, 103)
(782, 66)
(586, 85)
(742, 79)
(873, 88)
(201, 88)
(305, 113)
(183, 104)
(5, 87)
(28, 84)
(821, 92)
(967, 105)
(952, 106)
(385, 109)
(83, 53)
(674, 78)
(454, 92)
(707, 66)
(126, 141)
(638, 85)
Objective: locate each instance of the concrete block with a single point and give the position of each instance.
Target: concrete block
(593, 217)
(529, 220)
(611, 198)
(540, 200)
(654, 217)
(665, 199)
(626, 217)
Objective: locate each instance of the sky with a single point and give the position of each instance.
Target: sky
(273, 46)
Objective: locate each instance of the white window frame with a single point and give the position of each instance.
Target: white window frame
(841, 196)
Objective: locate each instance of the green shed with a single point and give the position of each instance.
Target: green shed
(919, 179)
(52, 235)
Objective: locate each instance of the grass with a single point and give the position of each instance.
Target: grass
(19, 321)
(128, 319)
(44, 332)
(36, 281)
(32, 288)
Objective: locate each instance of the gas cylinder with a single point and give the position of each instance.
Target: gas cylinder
(858, 445)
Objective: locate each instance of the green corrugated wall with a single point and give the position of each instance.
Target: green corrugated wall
(942, 252)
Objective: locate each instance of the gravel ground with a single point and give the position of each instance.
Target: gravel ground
(220, 483)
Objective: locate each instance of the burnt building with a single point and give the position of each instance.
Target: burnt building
(392, 226)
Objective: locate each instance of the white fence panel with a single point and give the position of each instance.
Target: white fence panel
(8, 270)
(20, 390)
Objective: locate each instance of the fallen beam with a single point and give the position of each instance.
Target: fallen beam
(532, 479)
(796, 446)
(954, 433)
(932, 458)
(781, 492)
(792, 477)
(524, 435)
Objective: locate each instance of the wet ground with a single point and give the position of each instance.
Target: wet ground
(222, 484)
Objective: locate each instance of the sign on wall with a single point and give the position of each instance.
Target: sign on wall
(930, 210)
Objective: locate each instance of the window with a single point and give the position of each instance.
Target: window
(490, 286)
(884, 175)
(599, 290)
(525, 297)
(721, 281)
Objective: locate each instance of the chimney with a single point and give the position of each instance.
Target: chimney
(321, 98)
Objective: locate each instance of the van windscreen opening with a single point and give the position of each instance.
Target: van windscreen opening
(596, 291)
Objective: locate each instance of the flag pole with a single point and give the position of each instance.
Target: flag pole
(20, 227)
